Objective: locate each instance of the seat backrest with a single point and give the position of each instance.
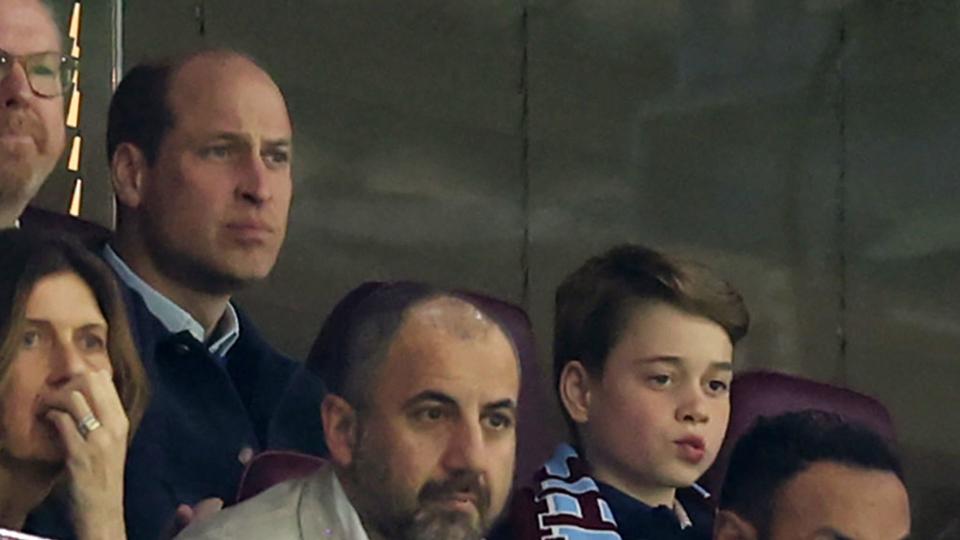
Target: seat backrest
(765, 393)
(536, 435)
(272, 467)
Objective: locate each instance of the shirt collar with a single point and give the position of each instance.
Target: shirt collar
(623, 504)
(174, 318)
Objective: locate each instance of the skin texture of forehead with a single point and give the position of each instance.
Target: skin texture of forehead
(862, 503)
(216, 68)
(450, 315)
(17, 11)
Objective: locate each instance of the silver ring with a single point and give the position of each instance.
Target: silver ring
(87, 424)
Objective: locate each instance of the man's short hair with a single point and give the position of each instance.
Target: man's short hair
(777, 449)
(356, 335)
(140, 112)
(594, 303)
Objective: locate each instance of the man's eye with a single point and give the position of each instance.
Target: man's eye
(43, 71)
(278, 157)
(429, 415)
(499, 421)
(218, 152)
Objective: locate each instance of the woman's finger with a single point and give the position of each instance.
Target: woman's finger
(106, 404)
(66, 426)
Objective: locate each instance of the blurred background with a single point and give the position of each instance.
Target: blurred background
(806, 148)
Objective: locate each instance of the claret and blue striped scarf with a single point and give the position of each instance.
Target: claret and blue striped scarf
(568, 504)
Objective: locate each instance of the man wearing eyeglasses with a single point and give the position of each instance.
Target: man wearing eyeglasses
(34, 75)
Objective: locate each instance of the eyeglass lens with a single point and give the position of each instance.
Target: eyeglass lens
(49, 73)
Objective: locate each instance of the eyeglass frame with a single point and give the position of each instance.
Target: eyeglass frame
(68, 66)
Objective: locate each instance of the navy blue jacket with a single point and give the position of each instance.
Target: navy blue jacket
(203, 414)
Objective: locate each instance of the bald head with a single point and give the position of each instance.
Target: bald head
(450, 316)
(429, 325)
(215, 67)
(357, 335)
(40, 19)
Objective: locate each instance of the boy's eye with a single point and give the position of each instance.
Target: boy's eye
(659, 380)
(718, 386)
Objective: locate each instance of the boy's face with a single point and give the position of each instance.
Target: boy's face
(656, 418)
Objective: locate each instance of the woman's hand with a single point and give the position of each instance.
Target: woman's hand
(95, 449)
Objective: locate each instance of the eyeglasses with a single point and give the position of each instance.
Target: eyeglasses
(50, 74)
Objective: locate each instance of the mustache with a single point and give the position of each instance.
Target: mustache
(461, 483)
(21, 122)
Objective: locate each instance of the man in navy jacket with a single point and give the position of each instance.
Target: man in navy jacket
(200, 149)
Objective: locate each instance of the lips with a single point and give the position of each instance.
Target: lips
(251, 230)
(691, 449)
(460, 501)
(464, 492)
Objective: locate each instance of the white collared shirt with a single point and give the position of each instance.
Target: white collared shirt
(174, 318)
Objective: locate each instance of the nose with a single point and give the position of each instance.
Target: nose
(465, 448)
(692, 405)
(15, 87)
(255, 183)
(66, 362)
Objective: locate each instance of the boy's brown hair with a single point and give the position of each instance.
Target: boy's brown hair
(595, 302)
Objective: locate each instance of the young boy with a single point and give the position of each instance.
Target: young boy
(643, 351)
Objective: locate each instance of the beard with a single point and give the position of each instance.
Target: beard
(23, 169)
(397, 513)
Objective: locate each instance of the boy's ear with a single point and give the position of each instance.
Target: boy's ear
(575, 391)
(127, 169)
(339, 428)
(730, 526)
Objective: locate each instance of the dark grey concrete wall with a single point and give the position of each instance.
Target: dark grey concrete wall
(804, 147)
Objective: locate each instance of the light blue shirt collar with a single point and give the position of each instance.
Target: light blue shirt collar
(174, 318)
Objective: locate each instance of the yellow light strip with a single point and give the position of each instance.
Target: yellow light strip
(75, 30)
(75, 21)
(73, 164)
(73, 116)
(77, 198)
(73, 112)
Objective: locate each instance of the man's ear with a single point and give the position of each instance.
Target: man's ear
(575, 391)
(730, 526)
(127, 170)
(340, 428)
